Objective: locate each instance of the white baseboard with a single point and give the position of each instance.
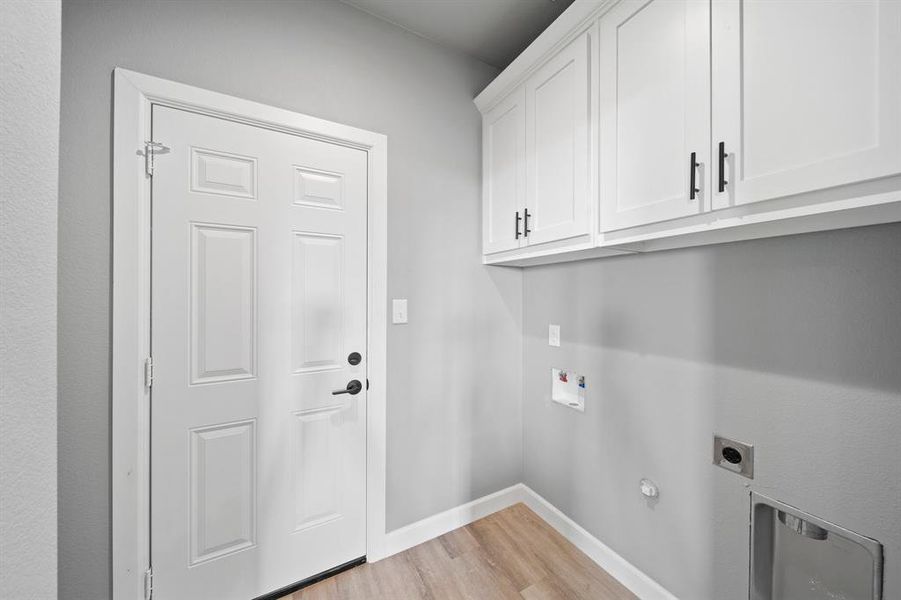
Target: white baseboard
(622, 570)
(431, 527)
(454, 518)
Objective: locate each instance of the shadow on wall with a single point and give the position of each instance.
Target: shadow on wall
(791, 344)
(822, 306)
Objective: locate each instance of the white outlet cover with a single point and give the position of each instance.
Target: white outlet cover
(399, 310)
(553, 335)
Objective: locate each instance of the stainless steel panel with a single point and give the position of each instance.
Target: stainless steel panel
(797, 556)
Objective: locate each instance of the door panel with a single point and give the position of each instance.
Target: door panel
(318, 298)
(223, 174)
(259, 294)
(558, 106)
(655, 110)
(806, 95)
(223, 490)
(318, 189)
(503, 173)
(317, 458)
(223, 325)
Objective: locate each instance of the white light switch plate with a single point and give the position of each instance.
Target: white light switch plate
(399, 310)
(553, 335)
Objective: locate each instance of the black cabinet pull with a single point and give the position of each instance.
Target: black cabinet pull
(692, 186)
(526, 230)
(723, 155)
(518, 219)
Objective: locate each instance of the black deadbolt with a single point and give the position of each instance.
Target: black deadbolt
(354, 358)
(732, 455)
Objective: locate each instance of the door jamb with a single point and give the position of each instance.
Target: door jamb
(133, 95)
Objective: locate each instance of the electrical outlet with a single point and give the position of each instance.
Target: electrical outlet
(734, 456)
(553, 335)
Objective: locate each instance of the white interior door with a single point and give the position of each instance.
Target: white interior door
(806, 95)
(558, 107)
(503, 174)
(655, 111)
(258, 299)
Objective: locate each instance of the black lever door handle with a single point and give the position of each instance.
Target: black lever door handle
(353, 388)
(723, 155)
(518, 219)
(692, 185)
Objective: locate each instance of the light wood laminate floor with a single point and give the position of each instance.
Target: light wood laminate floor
(512, 554)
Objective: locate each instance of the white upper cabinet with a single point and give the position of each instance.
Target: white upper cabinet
(640, 125)
(655, 111)
(503, 174)
(806, 96)
(558, 119)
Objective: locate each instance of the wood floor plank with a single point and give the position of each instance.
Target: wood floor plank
(479, 578)
(326, 589)
(356, 583)
(517, 562)
(457, 542)
(398, 578)
(436, 569)
(510, 555)
(570, 566)
(549, 588)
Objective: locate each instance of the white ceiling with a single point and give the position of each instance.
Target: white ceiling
(494, 31)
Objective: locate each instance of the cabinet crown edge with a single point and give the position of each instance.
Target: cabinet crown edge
(570, 23)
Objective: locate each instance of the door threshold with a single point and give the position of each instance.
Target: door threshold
(290, 589)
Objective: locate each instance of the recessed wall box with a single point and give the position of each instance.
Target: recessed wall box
(568, 388)
(797, 556)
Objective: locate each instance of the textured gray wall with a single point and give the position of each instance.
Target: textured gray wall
(29, 168)
(792, 344)
(454, 394)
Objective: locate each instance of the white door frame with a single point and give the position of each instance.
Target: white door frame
(134, 93)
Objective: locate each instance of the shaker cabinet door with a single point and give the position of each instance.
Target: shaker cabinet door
(503, 174)
(806, 96)
(558, 120)
(655, 111)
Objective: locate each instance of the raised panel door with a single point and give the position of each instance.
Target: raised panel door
(258, 297)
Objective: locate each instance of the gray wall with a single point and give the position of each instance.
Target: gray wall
(792, 344)
(752, 340)
(454, 398)
(29, 168)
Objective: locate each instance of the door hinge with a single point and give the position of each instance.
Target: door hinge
(148, 372)
(148, 584)
(151, 149)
